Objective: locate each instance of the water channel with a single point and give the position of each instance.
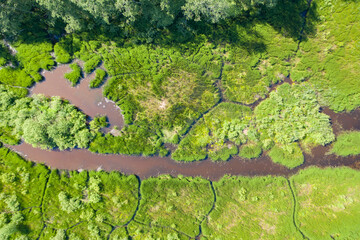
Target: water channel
(92, 103)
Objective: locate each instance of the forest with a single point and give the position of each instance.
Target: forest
(195, 80)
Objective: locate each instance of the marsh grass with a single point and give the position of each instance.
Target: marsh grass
(328, 202)
(253, 208)
(346, 144)
(182, 206)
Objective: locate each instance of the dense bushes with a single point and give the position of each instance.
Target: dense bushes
(99, 78)
(43, 122)
(251, 208)
(75, 75)
(216, 134)
(291, 114)
(289, 155)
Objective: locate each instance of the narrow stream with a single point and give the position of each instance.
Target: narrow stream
(92, 103)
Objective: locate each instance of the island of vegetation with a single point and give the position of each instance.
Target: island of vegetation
(211, 79)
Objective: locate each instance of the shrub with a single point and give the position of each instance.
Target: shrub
(250, 150)
(99, 78)
(74, 75)
(289, 155)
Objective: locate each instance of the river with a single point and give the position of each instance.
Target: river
(92, 103)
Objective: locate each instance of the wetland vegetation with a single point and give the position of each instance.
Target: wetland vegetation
(195, 80)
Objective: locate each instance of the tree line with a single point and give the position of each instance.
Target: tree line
(118, 15)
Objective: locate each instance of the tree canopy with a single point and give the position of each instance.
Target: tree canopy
(146, 15)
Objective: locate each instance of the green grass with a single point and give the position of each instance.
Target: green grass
(99, 78)
(106, 198)
(75, 75)
(179, 203)
(329, 58)
(328, 203)
(261, 61)
(251, 208)
(140, 231)
(347, 143)
(289, 155)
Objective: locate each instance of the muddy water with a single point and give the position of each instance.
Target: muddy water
(145, 167)
(90, 101)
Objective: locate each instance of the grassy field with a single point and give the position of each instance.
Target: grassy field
(251, 208)
(328, 58)
(328, 203)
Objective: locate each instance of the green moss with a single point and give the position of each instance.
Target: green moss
(99, 78)
(181, 206)
(328, 203)
(251, 208)
(289, 155)
(75, 75)
(347, 144)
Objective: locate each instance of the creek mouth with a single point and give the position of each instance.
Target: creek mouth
(92, 103)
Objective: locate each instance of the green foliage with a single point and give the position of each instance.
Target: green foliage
(329, 57)
(216, 134)
(43, 122)
(328, 202)
(182, 206)
(347, 144)
(15, 77)
(253, 208)
(99, 78)
(292, 113)
(34, 56)
(63, 50)
(98, 122)
(91, 64)
(75, 75)
(289, 155)
(5, 56)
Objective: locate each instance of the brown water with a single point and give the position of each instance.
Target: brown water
(92, 103)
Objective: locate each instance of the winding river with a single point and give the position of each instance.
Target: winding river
(92, 103)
